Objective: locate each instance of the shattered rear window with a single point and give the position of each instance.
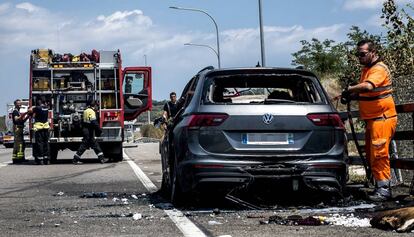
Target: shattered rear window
(262, 89)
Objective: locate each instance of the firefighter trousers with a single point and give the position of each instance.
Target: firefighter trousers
(378, 136)
(41, 145)
(89, 141)
(19, 145)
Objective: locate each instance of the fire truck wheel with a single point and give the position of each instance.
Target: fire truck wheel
(113, 152)
(53, 153)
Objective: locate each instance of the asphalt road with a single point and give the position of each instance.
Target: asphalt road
(50, 201)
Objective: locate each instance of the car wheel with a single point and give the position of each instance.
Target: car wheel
(166, 172)
(177, 195)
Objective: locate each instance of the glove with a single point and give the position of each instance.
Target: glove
(345, 97)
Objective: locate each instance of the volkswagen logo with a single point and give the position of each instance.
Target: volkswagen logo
(267, 118)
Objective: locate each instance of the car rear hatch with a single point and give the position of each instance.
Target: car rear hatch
(268, 113)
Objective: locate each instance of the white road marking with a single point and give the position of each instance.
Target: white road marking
(188, 228)
(140, 174)
(4, 164)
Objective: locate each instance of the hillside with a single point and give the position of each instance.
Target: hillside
(157, 109)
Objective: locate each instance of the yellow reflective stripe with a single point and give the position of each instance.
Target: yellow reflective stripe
(39, 125)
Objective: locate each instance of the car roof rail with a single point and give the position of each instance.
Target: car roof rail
(206, 68)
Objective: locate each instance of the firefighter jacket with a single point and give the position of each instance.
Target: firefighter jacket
(89, 116)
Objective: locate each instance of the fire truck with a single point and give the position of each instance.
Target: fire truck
(67, 82)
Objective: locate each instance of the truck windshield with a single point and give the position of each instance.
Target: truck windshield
(133, 82)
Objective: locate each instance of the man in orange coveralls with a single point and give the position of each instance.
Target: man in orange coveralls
(377, 109)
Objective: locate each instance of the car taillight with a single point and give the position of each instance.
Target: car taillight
(206, 120)
(333, 120)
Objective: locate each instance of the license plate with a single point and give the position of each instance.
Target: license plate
(267, 138)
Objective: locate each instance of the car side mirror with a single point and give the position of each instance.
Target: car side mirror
(134, 102)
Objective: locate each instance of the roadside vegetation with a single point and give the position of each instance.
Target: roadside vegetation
(335, 61)
(2, 123)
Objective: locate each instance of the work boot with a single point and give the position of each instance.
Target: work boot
(381, 194)
(38, 161)
(46, 161)
(102, 159)
(76, 160)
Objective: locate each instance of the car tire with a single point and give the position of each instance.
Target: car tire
(8, 145)
(166, 175)
(113, 151)
(177, 195)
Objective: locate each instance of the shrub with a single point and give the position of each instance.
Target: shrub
(148, 130)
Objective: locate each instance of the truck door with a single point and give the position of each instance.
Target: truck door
(136, 90)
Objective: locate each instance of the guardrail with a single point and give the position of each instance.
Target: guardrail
(406, 163)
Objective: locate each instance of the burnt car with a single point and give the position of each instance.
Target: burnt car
(243, 126)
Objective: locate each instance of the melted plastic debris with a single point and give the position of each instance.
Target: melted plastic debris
(348, 220)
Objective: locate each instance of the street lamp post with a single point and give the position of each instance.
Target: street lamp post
(215, 24)
(261, 34)
(207, 46)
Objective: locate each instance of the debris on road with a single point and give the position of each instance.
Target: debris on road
(137, 216)
(124, 201)
(59, 193)
(241, 202)
(214, 223)
(400, 220)
(346, 209)
(94, 195)
(293, 220)
(348, 220)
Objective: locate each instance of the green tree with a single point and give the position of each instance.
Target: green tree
(323, 58)
(399, 53)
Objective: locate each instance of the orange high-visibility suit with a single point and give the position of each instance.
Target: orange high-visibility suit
(377, 108)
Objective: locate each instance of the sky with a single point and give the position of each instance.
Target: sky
(150, 29)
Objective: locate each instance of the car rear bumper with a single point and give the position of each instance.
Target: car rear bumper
(325, 175)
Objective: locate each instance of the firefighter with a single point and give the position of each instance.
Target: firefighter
(377, 109)
(18, 126)
(41, 132)
(90, 125)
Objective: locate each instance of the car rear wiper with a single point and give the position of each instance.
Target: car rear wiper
(278, 101)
